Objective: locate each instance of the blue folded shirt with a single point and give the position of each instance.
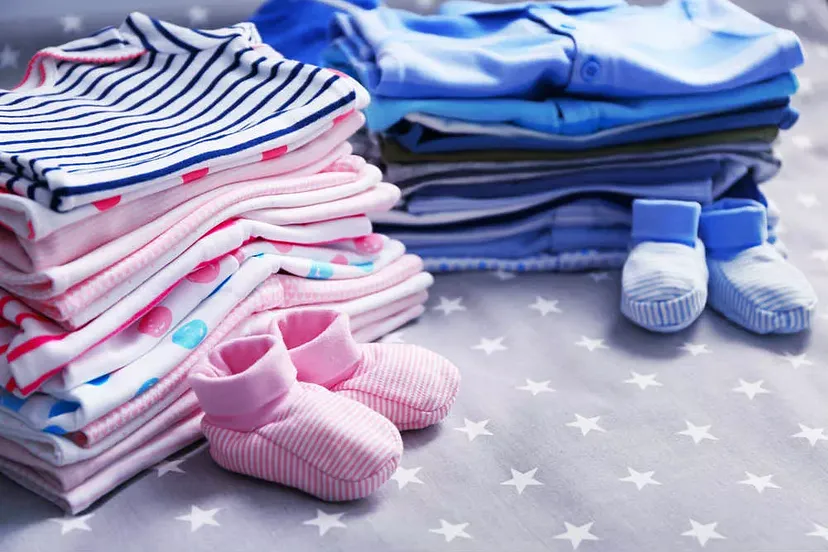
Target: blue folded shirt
(590, 47)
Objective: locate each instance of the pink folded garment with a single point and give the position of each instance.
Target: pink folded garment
(277, 291)
(124, 259)
(408, 384)
(371, 317)
(40, 349)
(33, 222)
(81, 497)
(311, 224)
(70, 476)
(260, 421)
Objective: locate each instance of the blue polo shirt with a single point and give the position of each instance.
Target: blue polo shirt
(601, 48)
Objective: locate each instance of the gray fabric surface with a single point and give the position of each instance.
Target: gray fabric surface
(585, 480)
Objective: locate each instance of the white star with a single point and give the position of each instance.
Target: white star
(545, 306)
(169, 467)
(503, 275)
(586, 424)
(819, 531)
(807, 200)
(325, 522)
(599, 276)
(695, 349)
(73, 23)
(404, 476)
(198, 15)
(521, 480)
(797, 360)
(797, 12)
(821, 254)
(490, 346)
(702, 532)
(474, 429)
(67, 525)
(759, 483)
(576, 535)
(198, 517)
(643, 381)
(813, 434)
(396, 337)
(641, 479)
(449, 306)
(750, 389)
(536, 387)
(591, 344)
(451, 531)
(698, 433)
(8, 56)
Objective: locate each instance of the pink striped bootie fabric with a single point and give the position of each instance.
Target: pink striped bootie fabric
(410, 385)
(261, 422)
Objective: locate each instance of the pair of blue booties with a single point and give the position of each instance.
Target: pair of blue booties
(684, 257)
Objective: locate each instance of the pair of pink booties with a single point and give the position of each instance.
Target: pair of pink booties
(307, 406)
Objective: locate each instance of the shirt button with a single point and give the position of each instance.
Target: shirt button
(590, 69)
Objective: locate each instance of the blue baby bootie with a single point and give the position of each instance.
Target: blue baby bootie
(751, 282)
(664, 282)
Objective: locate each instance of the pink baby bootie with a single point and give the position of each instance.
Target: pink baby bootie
(411, 386)
(261, 422)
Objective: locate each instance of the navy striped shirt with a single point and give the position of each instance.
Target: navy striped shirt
(152, 104)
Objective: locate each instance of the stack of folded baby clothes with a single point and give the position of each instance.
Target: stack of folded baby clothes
(161, 186)
(519, 134)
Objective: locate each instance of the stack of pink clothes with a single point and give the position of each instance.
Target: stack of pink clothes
(105, 306)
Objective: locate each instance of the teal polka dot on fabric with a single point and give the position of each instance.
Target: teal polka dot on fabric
(190, 334)
(99, 380)
(365, 267)
(320, 271)
(12, 402)
(63, 407)
(56, 430)
(145, 386)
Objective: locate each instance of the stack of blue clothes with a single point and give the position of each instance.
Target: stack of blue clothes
(521, 133)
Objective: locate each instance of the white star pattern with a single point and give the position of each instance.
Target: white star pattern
(405, 476)
(67, 525)
(577, 534)
(325, 521)
(695, 349)
(503, 275)
(643, 381)
(750, 389)
(702, 532)
(803, 143)
(797, 360)
(820, 254)
(71, 23)
(199, 518)
(586, 424)
(760, 483)
(169, 467)
(8, 57)
(819, 532)
(490, 346)
(396, 337)
(448, 306)
(198, 15)
(698, 433)
(640, 479)
(521, 480)
(536, 387)
(451, 531)
(545, 306)
(599, 276)
(812, 434)
(474, 429)
(591, 344)
(807, 200)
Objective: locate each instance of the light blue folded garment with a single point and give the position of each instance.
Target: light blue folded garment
(591, 47)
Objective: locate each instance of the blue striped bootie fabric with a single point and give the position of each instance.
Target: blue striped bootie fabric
(664, 281)
(751, 283)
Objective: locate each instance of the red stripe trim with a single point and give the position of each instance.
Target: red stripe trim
(194, 175)
(4, 348)
(31, 345)
(26, 315)
(5, 301)
(274, 153)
